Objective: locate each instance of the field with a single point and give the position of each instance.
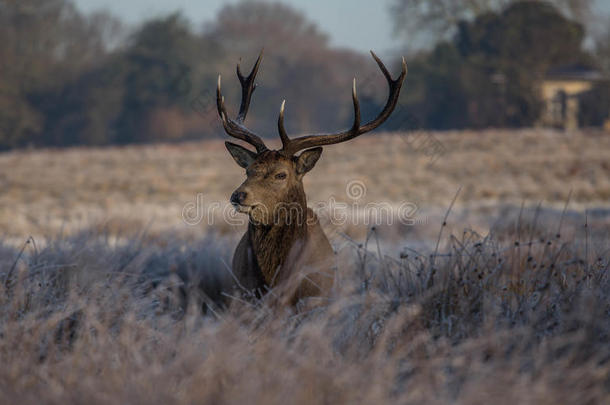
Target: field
(504, 298)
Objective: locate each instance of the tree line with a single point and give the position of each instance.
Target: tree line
(488, 73)
(73, 79)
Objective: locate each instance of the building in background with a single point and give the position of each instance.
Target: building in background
(563, 90)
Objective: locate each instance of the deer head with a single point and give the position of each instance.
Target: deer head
(274, 185)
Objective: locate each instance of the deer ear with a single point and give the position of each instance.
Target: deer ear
(241, 155)
(307, 160)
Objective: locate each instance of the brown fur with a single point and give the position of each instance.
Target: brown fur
(284, 249)
(285, 246)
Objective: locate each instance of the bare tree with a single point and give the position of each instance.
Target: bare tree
(425, 21)
(44, 42)
(602, 48)
(254, 24)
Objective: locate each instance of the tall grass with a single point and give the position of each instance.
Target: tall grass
(519, 316)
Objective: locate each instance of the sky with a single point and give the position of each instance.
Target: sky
(357, 24)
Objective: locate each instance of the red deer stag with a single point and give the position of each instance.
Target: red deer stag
(285, 245)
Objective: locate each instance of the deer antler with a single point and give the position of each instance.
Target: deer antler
(291, 146)
(235, 128)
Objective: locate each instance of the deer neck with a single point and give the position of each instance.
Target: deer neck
(271, 244)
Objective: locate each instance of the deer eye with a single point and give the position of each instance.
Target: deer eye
(280, 176)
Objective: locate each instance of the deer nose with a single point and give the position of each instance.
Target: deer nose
(238, 197)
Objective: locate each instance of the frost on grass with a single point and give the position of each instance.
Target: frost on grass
(521, 315)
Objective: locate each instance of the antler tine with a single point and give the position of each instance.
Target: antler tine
(281, 129)
(356, 107)
(235, 128)
(247, 88)
(292, 146)
(395, 86)
(384, 70)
